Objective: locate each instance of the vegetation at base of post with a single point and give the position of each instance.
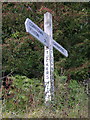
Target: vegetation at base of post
(25, 97)
(23, 55)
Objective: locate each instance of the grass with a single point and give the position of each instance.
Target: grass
(78, 111)
(43, 112)
(70, 102)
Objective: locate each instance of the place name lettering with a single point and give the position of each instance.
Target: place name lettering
(34, 32)
(58, 47)
(47, 77)
(47, 64)
(36, 28)
(47, 72)
(44, 40)
(47, 68)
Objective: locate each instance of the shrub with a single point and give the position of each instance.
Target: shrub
(24, 94)
(67, 95)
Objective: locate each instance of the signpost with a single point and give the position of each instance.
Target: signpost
(34, 30)
(60, 48)
(41, 36)
(48, 60)
(45, 37)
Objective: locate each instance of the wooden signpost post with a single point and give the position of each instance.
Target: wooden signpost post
(48, 59)
(46, 38)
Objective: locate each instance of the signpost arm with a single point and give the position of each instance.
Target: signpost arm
(46, 38)
(48, 59)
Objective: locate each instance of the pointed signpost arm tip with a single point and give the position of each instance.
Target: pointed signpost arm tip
(26, 21)
(67, 54)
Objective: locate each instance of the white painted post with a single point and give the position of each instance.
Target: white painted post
(48, 60)
(45, 37)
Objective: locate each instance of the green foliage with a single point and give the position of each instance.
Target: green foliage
(68, 95)
(77, 64)
(74, 89)
(23, 55)
(26, 93)
(19, 56)
(70, 28)
(26, 96)
(15, 35)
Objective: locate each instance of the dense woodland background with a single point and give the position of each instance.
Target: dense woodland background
(23, 57)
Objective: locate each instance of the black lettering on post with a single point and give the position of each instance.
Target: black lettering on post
(46, 68)
(47, 77)
(47, 64)
(47, 72)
